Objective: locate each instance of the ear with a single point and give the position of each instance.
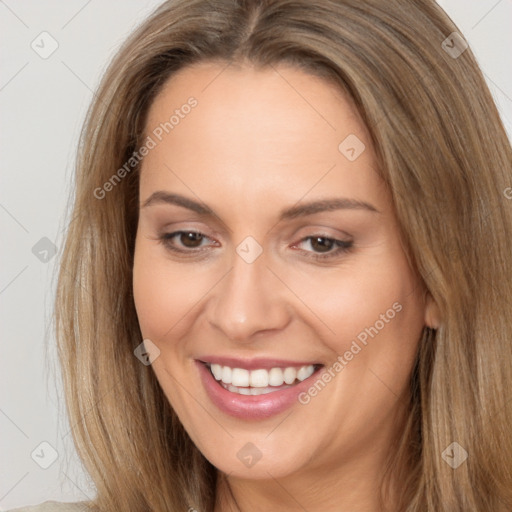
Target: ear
(432, 313)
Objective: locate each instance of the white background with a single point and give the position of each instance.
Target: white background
(43, 103)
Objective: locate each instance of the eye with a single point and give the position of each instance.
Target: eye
(324, 245)
(188, 240)
(191, 242)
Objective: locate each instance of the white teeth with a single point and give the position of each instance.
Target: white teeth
(275, 377)
(305, 372)
(240, 377)
(216, 370)
(261, 378)
(290, 374)
(251, 391)
(226, 375)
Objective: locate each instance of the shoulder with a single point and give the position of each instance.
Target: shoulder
(55, 506)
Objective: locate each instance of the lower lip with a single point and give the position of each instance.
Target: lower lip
(251, 407)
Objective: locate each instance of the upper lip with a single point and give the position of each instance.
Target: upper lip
(264, 363)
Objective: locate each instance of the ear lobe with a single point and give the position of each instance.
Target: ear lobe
(432, 313)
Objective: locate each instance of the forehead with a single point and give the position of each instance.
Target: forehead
(254, 132)
(238, 93)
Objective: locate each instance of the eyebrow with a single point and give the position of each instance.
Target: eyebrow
(322, 205)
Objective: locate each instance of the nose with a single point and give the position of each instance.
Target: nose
(249, 299)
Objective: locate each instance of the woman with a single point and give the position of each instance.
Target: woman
(291, 235)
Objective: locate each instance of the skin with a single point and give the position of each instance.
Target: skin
(257, 142)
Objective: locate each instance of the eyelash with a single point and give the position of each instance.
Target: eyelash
(344, 246)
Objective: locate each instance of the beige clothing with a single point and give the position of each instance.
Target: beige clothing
(54, 506)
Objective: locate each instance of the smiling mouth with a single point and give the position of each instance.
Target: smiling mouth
(260, 381)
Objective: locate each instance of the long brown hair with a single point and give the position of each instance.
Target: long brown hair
(442, 150)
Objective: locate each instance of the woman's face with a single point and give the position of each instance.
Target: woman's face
(243, 287)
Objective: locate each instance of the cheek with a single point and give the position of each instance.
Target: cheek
(353, 296)
(164, 292)
(155, 291)
(372, 311)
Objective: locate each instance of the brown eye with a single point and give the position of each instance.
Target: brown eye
(321, 244)
(323, 247)
(190, 239)
(187, 240)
